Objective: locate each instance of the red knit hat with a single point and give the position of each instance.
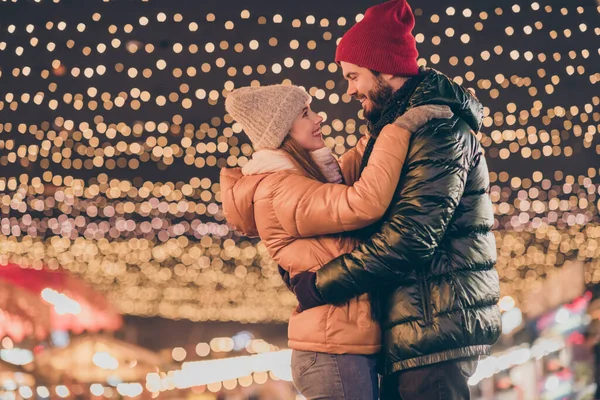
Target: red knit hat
(382, 41)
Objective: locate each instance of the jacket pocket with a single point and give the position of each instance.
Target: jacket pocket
(425, 299)
(302, 361)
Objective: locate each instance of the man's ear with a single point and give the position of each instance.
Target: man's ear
(387, 77)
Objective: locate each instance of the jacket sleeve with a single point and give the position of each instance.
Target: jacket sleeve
(307, 207)
(351, 160)
(430, 192)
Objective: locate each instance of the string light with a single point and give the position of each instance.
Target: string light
(118, 182)
(224, 372)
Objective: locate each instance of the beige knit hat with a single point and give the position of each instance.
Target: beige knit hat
(267, 113)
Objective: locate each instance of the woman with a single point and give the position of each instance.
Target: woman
(292, 195)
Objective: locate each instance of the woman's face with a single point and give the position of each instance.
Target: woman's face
(306, 130)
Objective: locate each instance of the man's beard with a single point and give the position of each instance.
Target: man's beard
(379, 96)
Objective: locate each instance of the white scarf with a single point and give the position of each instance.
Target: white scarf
(266, 161)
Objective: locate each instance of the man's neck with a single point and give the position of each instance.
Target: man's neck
(397, 82)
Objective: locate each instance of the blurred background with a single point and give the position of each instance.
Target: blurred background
(119, 277)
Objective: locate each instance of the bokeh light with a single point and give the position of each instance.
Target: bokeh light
(112, 137)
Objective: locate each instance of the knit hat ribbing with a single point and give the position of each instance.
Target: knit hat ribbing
(266, 113)
(382, 41)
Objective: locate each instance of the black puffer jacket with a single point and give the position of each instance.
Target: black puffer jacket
(431, 259)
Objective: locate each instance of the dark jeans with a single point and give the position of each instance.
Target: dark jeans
(334, 376)
(442, 381)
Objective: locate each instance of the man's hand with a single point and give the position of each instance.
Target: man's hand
(305, 288)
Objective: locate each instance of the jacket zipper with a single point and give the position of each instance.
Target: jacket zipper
(425, 300)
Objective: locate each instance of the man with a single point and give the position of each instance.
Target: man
(430, 261)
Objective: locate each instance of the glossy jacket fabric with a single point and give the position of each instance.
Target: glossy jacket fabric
(431, 259)
(297, 219)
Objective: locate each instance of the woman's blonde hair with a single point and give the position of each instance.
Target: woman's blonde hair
(303, 158)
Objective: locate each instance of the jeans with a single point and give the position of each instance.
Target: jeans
(442, 381)
(335, 376)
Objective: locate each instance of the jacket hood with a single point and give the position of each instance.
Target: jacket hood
(437, 88)
(239, 185)
(237, 196)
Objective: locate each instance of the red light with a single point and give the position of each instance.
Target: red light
(60, 71)
(576, 338)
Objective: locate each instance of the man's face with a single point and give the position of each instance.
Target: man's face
(373, 91)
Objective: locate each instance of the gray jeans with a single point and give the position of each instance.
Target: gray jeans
(335, 376)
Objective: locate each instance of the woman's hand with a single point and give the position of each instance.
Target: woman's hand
(416, 117)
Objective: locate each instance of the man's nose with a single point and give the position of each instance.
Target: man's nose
(351, 90)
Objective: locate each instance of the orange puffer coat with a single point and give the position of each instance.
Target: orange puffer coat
(300, 220)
